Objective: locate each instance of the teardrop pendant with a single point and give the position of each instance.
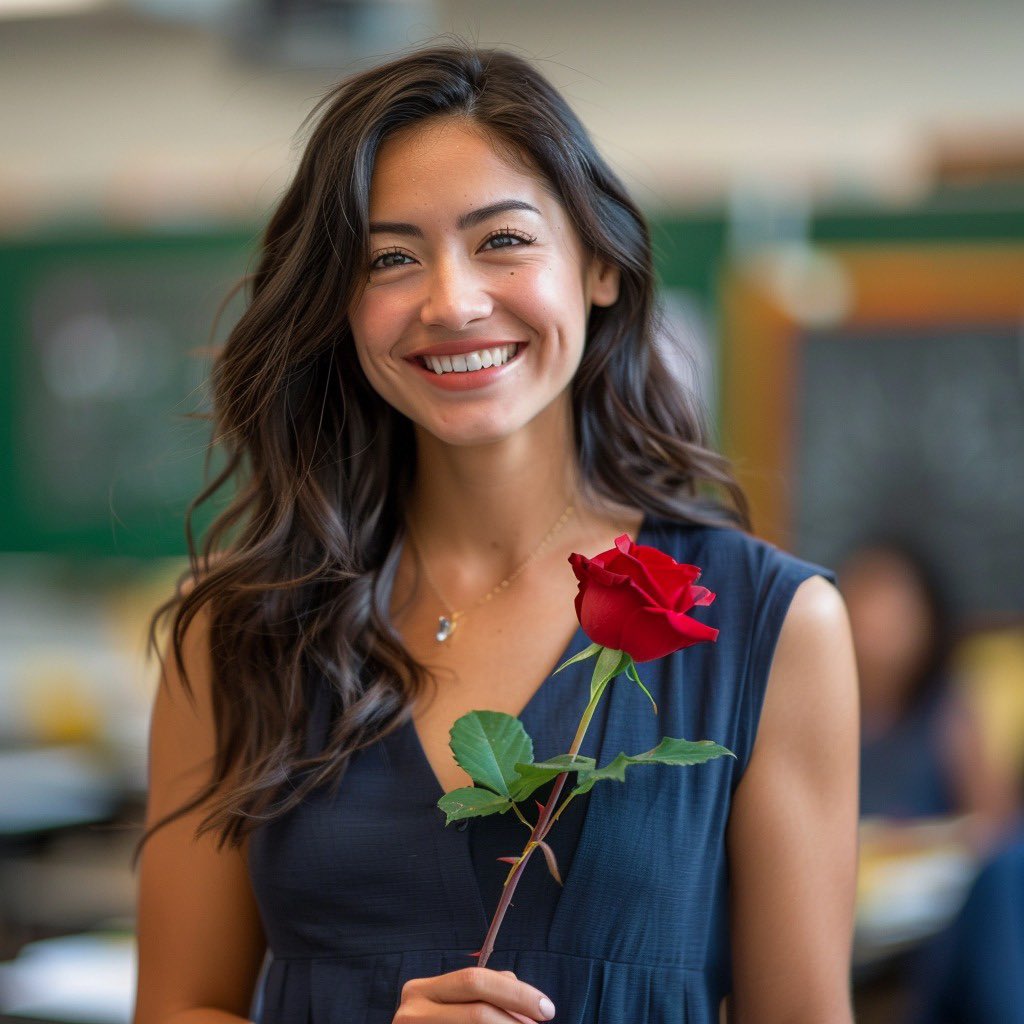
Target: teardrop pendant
(445, 626)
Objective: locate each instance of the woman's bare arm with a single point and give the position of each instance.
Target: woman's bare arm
(792, 836)
(200, 940)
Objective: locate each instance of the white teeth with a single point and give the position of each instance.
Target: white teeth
(471, 360)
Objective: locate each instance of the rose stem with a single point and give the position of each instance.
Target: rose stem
(539, 831)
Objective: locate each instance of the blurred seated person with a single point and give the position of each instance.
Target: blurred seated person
(922, 751)
(973, 972)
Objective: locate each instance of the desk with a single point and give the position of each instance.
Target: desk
(913, 877)
(78, 979)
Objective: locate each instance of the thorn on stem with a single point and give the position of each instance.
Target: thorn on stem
(549, 856)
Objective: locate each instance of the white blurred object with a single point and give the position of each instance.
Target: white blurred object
(913, 878)
(87, 978)
(53, 787)
(685, 340)
(46, 8)
(809, 283)
(73, 669)
(767, 214)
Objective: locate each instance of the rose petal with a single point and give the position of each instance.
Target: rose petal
(651, 633)
(698, 595)
(634, 597)
(589, 570)
(602, 611)
(655, 557)
(628, 562)
(658, 573)
(674, 581)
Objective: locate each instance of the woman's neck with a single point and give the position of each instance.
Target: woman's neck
(486, 507)
(479, 512)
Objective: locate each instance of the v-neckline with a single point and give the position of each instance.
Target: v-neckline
(470, 917)
(571, 648)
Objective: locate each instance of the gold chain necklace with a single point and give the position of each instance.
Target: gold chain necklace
(446, 623)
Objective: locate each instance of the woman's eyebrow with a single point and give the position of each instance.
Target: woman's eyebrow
(467, 220)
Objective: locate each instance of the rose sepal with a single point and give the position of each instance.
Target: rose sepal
(635, 676)
(587, 652)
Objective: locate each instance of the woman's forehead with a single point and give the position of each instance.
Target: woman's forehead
(455, 130)
(454, 162)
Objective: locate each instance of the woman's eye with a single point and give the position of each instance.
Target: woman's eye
(377, 264)
(507, 233)
(505, 239)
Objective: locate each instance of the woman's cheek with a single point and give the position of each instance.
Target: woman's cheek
(539, 290)
(378, 327)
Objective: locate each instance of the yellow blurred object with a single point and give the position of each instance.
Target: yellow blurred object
(129, 609)
(912, 877)
(58, 704)
(991, 665)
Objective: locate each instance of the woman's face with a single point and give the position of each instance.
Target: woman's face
(455, 267)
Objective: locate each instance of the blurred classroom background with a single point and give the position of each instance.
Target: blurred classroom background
(837, 198)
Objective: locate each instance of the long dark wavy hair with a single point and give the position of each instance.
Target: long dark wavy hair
(297, 569)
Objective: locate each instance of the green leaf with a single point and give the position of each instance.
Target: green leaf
(609, 664)
(632, 673)
(588, 652)
(533, 776)
(487, 744)
(668, 751)
(472, 802)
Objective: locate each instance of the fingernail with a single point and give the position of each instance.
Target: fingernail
(547, 1008)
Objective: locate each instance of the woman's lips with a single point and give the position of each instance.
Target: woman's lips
(468, 379)
(461, 348)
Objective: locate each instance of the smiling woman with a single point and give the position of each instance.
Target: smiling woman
(528, 297)
(445, 382)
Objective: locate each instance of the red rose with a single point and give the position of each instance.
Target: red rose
(634, 598)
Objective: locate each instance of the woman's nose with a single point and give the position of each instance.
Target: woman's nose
(455, 297)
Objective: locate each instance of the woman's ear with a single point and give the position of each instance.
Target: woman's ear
(603, 282)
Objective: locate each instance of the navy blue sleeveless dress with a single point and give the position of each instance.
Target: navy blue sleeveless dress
(364, 890)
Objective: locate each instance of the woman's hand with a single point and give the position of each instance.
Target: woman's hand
(482, 996)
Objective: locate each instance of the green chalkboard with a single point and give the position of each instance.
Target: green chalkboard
(103, 351)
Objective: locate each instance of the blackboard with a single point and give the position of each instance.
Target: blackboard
(103, 350)
(918, 430)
